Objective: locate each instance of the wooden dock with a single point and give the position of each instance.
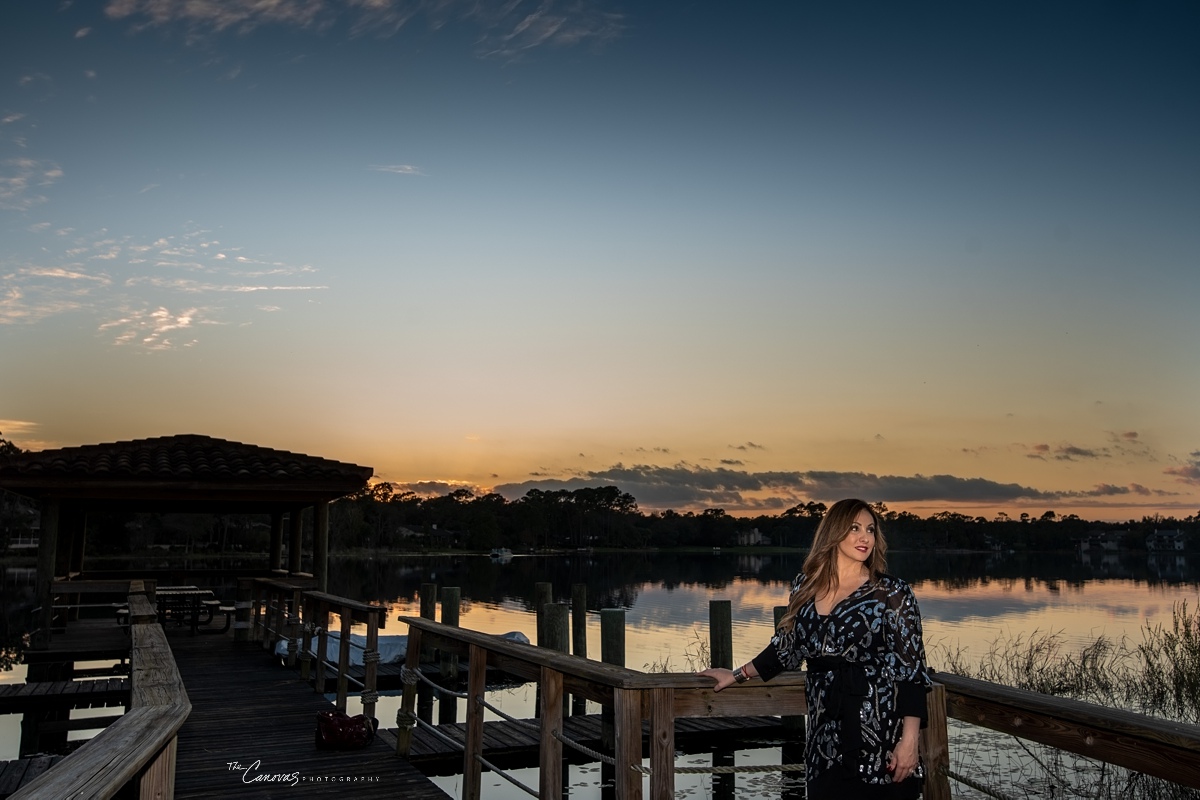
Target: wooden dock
(250, 712)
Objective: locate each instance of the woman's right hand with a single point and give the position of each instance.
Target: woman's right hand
(723, 677)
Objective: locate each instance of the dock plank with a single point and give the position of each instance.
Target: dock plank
(248, 712)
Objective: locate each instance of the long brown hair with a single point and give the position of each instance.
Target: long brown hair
(820, 566)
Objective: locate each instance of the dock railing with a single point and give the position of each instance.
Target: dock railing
(139, 748)
(286, 610)
(1159, 748)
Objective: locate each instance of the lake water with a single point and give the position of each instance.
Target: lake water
(968, 601)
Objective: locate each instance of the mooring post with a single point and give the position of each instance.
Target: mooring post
(720, 633)
(451, 603)
(579, 637)
(612, 651)
(543, 593)
(558, 638)
(428, 595)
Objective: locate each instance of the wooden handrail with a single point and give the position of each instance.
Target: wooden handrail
(140, 746)
(1156, 747)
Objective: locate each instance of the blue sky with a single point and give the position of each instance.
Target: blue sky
(943, 256)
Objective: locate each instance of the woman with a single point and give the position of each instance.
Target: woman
(859, 630)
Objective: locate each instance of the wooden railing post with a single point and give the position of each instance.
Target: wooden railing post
(306, 639)
(293, 627)
(371, 664)
(256, 593)
(343, 667)
(550, 748)
(720, 633)
(935, 746)
(473, 739)
(408, 700)
(627, 719)
(322, 623)
(662, 744)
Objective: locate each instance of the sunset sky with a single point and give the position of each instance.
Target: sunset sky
(941, 255)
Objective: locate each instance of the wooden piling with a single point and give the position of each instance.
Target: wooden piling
(428, 595)
(720, 633)
(543, 593)
(579, 637)
(612, 651)
(451, 602)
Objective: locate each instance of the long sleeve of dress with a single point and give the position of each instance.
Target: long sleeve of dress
(904, 653)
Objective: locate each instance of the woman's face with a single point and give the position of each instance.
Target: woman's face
(859, 542)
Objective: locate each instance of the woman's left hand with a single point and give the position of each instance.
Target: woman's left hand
(903, 759)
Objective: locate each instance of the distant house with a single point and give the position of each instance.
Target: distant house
(751, 537)
(1165, 541)
(1100, 542)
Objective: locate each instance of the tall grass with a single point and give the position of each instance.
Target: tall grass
(1159, 677)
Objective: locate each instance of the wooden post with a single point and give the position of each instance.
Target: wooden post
(558, 638)
(579, 619)
(543, 593)
(612, 651)
(720, 633)
(473, 739)
(322, 623)
(627, 719)
(306, 640)
(157, 781)
(296, 539)
(662, 744)
(275, 560)
(293, 627)
(556, 627)
(723, 784)
(428, 595)
(241, 609)
(935, 746)
(343, 685)
(256, 594)
(579, 637)
(451, 599)
(47, 543)
(408, 700)
(321, 545)
(371, 663)
(551, 761)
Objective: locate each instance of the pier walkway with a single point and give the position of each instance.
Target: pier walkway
(250, 712)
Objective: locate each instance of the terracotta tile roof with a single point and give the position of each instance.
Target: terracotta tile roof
(187, 458)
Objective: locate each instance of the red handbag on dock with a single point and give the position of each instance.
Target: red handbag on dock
(338, 731)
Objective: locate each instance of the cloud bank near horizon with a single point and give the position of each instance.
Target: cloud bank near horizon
(686, 485)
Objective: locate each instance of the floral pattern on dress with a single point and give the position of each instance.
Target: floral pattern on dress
(878, 627)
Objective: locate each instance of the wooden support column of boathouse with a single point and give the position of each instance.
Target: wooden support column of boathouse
(295, 539)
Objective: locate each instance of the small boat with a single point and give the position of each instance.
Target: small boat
(502, 554)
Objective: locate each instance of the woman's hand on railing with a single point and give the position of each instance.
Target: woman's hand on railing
(723, 677)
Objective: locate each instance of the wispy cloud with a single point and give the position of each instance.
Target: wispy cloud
(507, 29)
(397, 169)
(20, 180)
(1188, 472)
(155, 328)
(137, 293)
